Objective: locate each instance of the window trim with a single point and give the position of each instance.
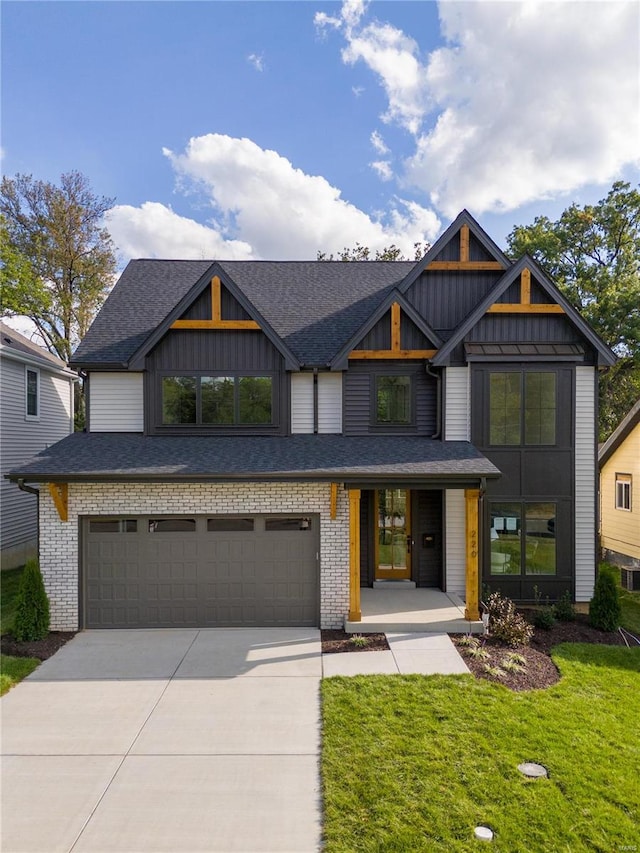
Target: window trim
(393, 425)
(624, 481)
(199, 424)
(36, 371)
(522, 374)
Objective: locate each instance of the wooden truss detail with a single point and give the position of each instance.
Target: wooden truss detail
(333, 501)
(464, 263)
(60, 495)
(216, 322)
(525, 306)
(395, 352)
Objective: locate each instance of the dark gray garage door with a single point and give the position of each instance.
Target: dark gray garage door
(200, 571)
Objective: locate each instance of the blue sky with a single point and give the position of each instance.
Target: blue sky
(277, 129)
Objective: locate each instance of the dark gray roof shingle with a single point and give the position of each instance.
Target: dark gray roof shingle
(128, 456)
(315, 307)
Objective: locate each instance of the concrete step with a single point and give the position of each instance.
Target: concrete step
(394, 586)
(448, 626)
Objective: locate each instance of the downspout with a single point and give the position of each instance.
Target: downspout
(32, 491)
(438, 378)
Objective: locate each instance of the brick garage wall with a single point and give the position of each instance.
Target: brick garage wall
(59, 541)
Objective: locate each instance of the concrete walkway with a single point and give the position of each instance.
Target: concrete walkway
(410, 653)
(180, 741)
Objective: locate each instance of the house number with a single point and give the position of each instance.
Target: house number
(474, 543)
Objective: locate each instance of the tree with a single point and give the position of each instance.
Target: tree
(363, 253)
(593, 255)
(59, 260)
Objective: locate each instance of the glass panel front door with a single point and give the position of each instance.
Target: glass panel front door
(393, 534)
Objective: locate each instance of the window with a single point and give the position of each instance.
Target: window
(623, 492)
(32, 388)
(217, 400)
(393, 400)
(113, 525)
(283, 524)
(522, 408)
(523, 538)
(172, 525)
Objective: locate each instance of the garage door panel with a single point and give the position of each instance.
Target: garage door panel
(197, 573)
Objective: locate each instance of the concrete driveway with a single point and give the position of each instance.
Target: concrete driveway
(166, 740)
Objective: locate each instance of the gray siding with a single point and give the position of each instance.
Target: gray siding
(358, 398)
(21, 439)
(445, 298)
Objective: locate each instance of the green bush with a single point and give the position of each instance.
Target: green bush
(544, 618)
(505, 623)
(31, 621)
(564, 609)
(604, 608)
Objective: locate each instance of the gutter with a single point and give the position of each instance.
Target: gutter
(30, 489)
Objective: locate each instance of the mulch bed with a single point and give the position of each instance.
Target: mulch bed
(39, 649)
(334, 642)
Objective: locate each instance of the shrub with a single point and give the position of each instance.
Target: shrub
(505, 623)
(31, 621)
(359, 640)
(604, 608)
(565, 611)
(544, 618)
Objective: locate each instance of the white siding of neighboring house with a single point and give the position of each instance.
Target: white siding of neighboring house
(455, 538)
(116, 402)
(22, 438)
(585, 482)
(301, 402)
(457, 408)
(330, 402)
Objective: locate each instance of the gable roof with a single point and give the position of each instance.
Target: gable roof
(605, 355)
(313, 306)
(626, 425)
(12, 343)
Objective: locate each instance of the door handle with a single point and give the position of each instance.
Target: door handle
(409, 544)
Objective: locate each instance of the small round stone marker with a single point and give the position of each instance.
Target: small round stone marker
(483, 833)
(532, 770)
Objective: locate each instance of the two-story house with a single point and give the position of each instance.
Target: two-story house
(265, 438)
(36, 410)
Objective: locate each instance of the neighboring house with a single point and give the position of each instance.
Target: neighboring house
(264, 438)
(36, 410)
(619, 460)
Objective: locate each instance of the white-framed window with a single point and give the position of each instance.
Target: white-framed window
(623, 492)
(32, 393)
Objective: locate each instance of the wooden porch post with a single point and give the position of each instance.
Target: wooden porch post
(355, 613)
(472, 496)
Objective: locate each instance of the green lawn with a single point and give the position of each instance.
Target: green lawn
(413, 763)
(12, 670)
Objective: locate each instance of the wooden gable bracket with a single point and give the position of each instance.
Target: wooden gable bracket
(60, 495)
(525, 306)
(333, 501)
(216, 322)
(395, 352)
(464, 263)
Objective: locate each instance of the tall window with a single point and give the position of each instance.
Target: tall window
(523, 538)
(522, 408)
(623, 492)
(217, 400)
(393, 400)
(32, 387)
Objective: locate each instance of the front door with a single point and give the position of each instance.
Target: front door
(393, 534)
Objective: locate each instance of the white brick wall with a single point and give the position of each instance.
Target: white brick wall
(59, 541)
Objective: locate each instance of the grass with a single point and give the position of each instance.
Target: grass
(12, 670)
(416, 763)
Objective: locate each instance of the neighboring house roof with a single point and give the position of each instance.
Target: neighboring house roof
(131, 457)
(616, 438)
(313, 306)
(13, 344)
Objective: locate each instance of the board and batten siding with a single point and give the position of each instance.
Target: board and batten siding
(116, 402)
(22, 438)
(457, 409)
(329, 391)
(585, 482)
(455, 542)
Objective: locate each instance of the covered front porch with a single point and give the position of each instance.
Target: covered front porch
(399, 609)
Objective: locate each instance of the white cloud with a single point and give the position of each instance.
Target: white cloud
(267, 207)
(383, 169)
(257, 60)
(378, 143)
(155, 231)
(527, 100)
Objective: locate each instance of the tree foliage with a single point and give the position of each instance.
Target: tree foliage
(363, 253)
(58, 259)
(31, 621)
(593, 254)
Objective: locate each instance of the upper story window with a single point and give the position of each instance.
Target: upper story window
(522, 408)
(393, 400)
(32, 393)
(623, 492)
(217, 400)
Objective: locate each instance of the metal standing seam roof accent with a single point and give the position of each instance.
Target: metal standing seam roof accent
(135, 457)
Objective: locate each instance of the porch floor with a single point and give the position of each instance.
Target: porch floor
(411, 610)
